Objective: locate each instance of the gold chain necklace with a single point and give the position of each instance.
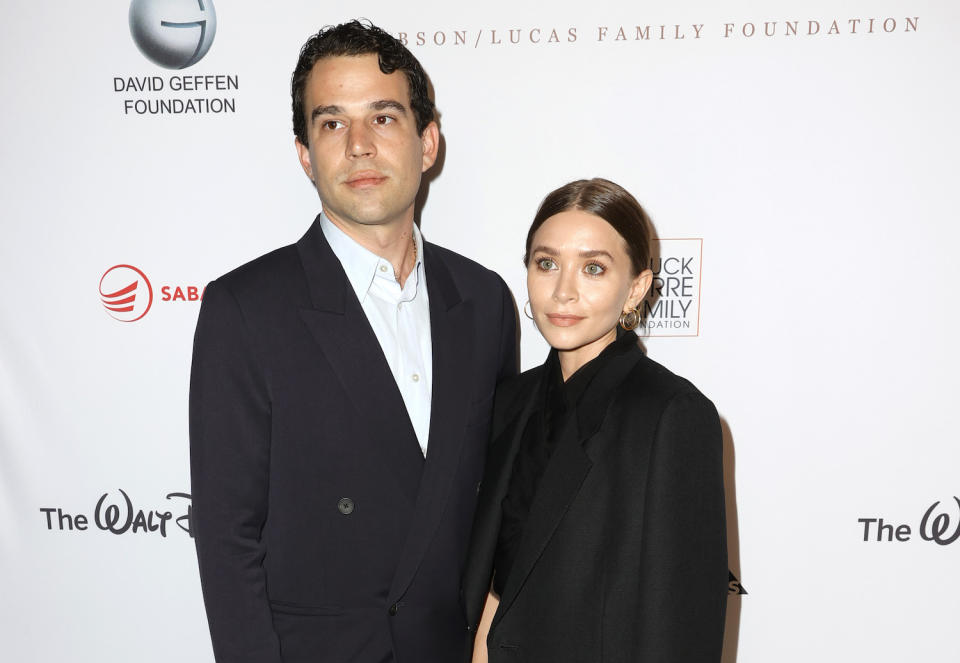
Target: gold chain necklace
(413, 241)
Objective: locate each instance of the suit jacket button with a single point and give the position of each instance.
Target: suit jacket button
(346, 506)
(393, 610)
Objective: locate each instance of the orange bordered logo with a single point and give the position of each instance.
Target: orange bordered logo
(672, 307)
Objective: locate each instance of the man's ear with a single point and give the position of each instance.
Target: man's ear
(303, 153)
(430, 138)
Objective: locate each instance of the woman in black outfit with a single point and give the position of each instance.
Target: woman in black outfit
(599, 534)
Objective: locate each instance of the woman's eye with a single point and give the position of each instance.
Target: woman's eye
(593, 269)
(546, 264)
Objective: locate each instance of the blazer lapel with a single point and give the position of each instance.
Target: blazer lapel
(340, 328)
(596, 403)
(452, 329)
(561, 481)
(581, 440)
(489, 516)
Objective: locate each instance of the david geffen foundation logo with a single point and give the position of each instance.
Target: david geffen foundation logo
(174, 34)
(126, 293)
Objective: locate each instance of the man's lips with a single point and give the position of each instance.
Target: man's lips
(563, 320)
(364, 179)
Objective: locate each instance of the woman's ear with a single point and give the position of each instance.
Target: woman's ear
(638, 289)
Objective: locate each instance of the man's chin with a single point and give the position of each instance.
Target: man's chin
(365, 217)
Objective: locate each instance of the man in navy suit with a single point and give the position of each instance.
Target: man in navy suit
(341, 392)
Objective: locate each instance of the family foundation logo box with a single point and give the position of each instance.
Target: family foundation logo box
(672, 307)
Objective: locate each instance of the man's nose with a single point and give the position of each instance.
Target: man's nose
(360, 141)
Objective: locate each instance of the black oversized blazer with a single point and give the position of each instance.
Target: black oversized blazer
(321, 531)
(623, 558)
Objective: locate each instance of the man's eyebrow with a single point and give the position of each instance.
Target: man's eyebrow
(324, 110)
(385, 104)
(379, 105)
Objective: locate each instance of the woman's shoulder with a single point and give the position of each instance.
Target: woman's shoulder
(653, 382)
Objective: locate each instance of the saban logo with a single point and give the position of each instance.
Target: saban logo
(126, 293)
(174, 34)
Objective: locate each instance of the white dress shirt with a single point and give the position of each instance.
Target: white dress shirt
(400, 318)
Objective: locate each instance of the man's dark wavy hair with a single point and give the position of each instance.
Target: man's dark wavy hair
(360, 38)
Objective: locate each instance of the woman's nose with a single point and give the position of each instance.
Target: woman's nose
(566, 290)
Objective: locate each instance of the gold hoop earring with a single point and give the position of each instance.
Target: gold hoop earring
(525, 312)
(629, 320)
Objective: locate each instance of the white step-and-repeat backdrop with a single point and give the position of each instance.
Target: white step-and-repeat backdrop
(798, 158)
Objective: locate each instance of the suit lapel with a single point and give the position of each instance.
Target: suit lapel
(452, 329)
(340, 327)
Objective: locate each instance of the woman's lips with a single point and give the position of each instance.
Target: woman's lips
(561, 320)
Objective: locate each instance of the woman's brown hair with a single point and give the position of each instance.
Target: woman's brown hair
(608, 200)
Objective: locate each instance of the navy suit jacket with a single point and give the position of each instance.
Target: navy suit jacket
(322, 532)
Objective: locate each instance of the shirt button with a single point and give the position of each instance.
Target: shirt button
(415, 377)
(383, 268)
(399, 306)
(393, 610)
(345, 505)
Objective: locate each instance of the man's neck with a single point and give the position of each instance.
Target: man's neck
(392, 241)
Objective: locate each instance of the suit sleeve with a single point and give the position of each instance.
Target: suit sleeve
(683, 574)
(509, 359)
(229, 464)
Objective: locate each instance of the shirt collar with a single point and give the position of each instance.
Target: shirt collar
(360, 264)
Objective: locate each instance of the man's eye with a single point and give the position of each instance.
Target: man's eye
(382, 120)
(546, 264)
(332, 124)
(594, 269)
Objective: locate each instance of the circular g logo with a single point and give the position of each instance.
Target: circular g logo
(174, 34)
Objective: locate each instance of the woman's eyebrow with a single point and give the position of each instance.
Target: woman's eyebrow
(595, 253)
